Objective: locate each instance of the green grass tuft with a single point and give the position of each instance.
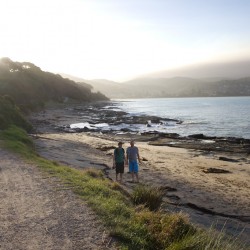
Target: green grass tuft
(95, 173)
(149, 196)
(16, 139)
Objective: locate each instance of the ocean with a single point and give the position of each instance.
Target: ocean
(211, 116)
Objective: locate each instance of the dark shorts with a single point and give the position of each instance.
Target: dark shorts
(119, 167)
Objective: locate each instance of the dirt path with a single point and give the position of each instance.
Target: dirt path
(37, 212)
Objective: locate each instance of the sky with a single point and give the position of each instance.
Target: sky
(121, 39)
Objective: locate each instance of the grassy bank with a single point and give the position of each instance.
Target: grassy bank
(134, 226)
(11, 114)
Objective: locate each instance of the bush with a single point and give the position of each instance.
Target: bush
(151, 197)
(16, 139)
(11, 115)
(3, 123)
(163, 228)
(95, 173)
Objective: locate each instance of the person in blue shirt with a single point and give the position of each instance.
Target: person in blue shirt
(133, 157)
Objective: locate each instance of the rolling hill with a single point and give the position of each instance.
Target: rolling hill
(172, 87)
(31, 87)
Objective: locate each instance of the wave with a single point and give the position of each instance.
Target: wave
(194, 122)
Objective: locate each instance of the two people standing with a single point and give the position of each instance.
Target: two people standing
(132, 158)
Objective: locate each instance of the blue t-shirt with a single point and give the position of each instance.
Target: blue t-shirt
(132, 153)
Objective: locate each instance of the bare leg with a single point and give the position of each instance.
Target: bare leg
(137, 177)
(116, 177)
(121, 177)
(132, 174)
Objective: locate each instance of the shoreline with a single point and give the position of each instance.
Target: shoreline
(108, 121)
(184, 173)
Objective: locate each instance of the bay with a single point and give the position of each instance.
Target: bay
(211, 116)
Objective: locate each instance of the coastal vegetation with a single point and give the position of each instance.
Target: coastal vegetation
(11, 114)
(134, 226)
(150, 197)
(30, 87)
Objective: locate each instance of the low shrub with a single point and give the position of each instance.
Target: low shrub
(208, 240)
(11, 115)
(95, 173)
(151, 197)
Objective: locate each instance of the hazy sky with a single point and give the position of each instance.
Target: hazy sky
(119, 39)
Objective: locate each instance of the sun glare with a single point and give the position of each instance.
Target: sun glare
(80, 37)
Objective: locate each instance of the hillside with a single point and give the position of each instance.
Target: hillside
(228, 69)
(187, 87)
(172, 87)
(30, 87)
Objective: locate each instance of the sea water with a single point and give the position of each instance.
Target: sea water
(211, 116)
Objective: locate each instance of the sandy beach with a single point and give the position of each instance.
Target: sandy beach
(221, 198)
